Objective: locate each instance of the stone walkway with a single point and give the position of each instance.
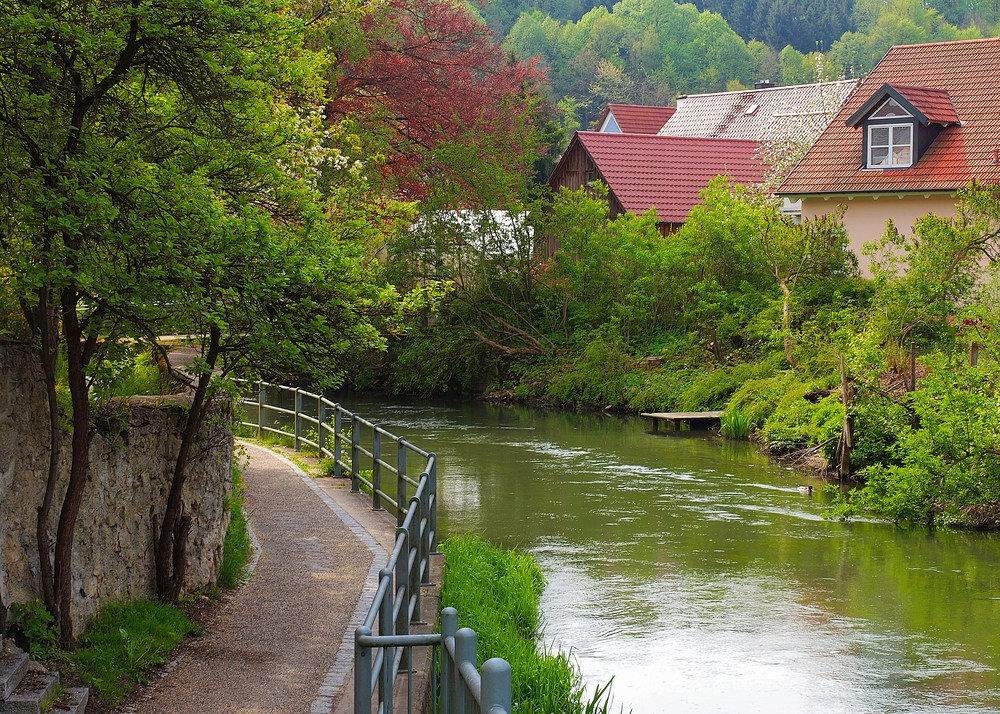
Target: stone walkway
(284, 642)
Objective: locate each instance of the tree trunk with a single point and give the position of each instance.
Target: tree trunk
(76, 361)
(171, 544)
(847, 435)
(48, 325)
(786, 321)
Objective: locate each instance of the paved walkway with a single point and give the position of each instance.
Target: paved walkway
(284, 642)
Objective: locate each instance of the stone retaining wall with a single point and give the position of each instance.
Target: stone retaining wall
(131, 461)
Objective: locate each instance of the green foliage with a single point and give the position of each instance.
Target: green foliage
(599, 376)
(496, 593)
(713, 389)
(237, 547)
(39, 629)
(124, 641)
(798, 422)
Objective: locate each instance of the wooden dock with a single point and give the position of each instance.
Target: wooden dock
(693, 420)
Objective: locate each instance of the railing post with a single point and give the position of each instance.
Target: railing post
(355, 453)
(320, 428)
(496, 691)
(416, 542)
(376, 469)
(338, 426)
(400, 480)
(261, 398)
(362, 673)
(297, 422)
(449, 626)
(465, 651)
(403, 580)
(432, 494)
(385, 628)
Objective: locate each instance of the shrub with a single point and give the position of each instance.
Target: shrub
(735, 424)
(237, 545)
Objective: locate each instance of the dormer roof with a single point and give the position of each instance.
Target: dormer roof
(928, 105)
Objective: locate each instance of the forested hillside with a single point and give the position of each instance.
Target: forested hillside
(651, 51)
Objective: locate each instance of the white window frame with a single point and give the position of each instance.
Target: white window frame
(891, 145)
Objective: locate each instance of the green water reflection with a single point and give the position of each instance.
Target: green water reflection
(703, 580)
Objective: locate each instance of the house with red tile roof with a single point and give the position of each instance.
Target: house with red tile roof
(644, 171)
(633, 119)
(924, 124)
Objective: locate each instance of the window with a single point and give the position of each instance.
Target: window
(890, 146)
(891, 110)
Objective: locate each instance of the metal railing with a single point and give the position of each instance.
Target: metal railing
(383, 643)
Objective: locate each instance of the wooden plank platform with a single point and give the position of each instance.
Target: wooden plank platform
(694, 420)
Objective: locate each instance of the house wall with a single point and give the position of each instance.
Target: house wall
(866, 216)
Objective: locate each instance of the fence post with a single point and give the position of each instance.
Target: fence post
(465, 651)
(496, 691)
(385, 627)
(400, 480)
(403, 581)
(416, 546)
(432, 494)
(338, 426)
(297, 423)
(449, 626)
(320, 428)
(376, 469)
(355, 453)
(261, 398)
(362, 673)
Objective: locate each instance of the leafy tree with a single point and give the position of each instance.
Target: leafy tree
(147, 155)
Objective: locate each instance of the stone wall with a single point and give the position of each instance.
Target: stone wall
(131, 461)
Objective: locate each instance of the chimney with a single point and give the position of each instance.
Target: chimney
(763, 84)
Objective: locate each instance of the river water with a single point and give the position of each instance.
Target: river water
(695, 572)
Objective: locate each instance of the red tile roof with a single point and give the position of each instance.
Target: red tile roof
(969, 72)
(637, 119)
(667, 172)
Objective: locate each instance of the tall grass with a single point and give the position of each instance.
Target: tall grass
(124, 641)
(237, 547)
(735, 424)
(497, 594)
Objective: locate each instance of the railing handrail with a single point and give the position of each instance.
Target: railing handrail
(397, 599)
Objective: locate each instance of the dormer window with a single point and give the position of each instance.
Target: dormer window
(900, 123)
(890, 146)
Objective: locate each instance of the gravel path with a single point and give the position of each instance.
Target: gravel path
(276, 644)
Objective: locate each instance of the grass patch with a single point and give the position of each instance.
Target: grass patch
(735, 424)
(237, 546)
(496, 593)
(124, 641)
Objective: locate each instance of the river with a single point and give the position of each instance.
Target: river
(696, 573)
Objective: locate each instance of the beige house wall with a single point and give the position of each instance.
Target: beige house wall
(866, 216)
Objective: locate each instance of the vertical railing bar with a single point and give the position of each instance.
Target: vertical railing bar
(296, 421)
(449, 626)
(400, 480)
(376, 469)
(362, 673)
(320, 429)
(413, 574)
(338, 426)
(261, 398)
(355, 453)
(386, 627)
(403, 580)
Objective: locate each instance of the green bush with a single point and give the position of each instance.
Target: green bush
(601, 376)
(797, 422)
(39, 629)
(713, 389)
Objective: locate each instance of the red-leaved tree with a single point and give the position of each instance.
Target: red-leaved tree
(431, 77)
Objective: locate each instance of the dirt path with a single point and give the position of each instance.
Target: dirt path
(277, 644)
